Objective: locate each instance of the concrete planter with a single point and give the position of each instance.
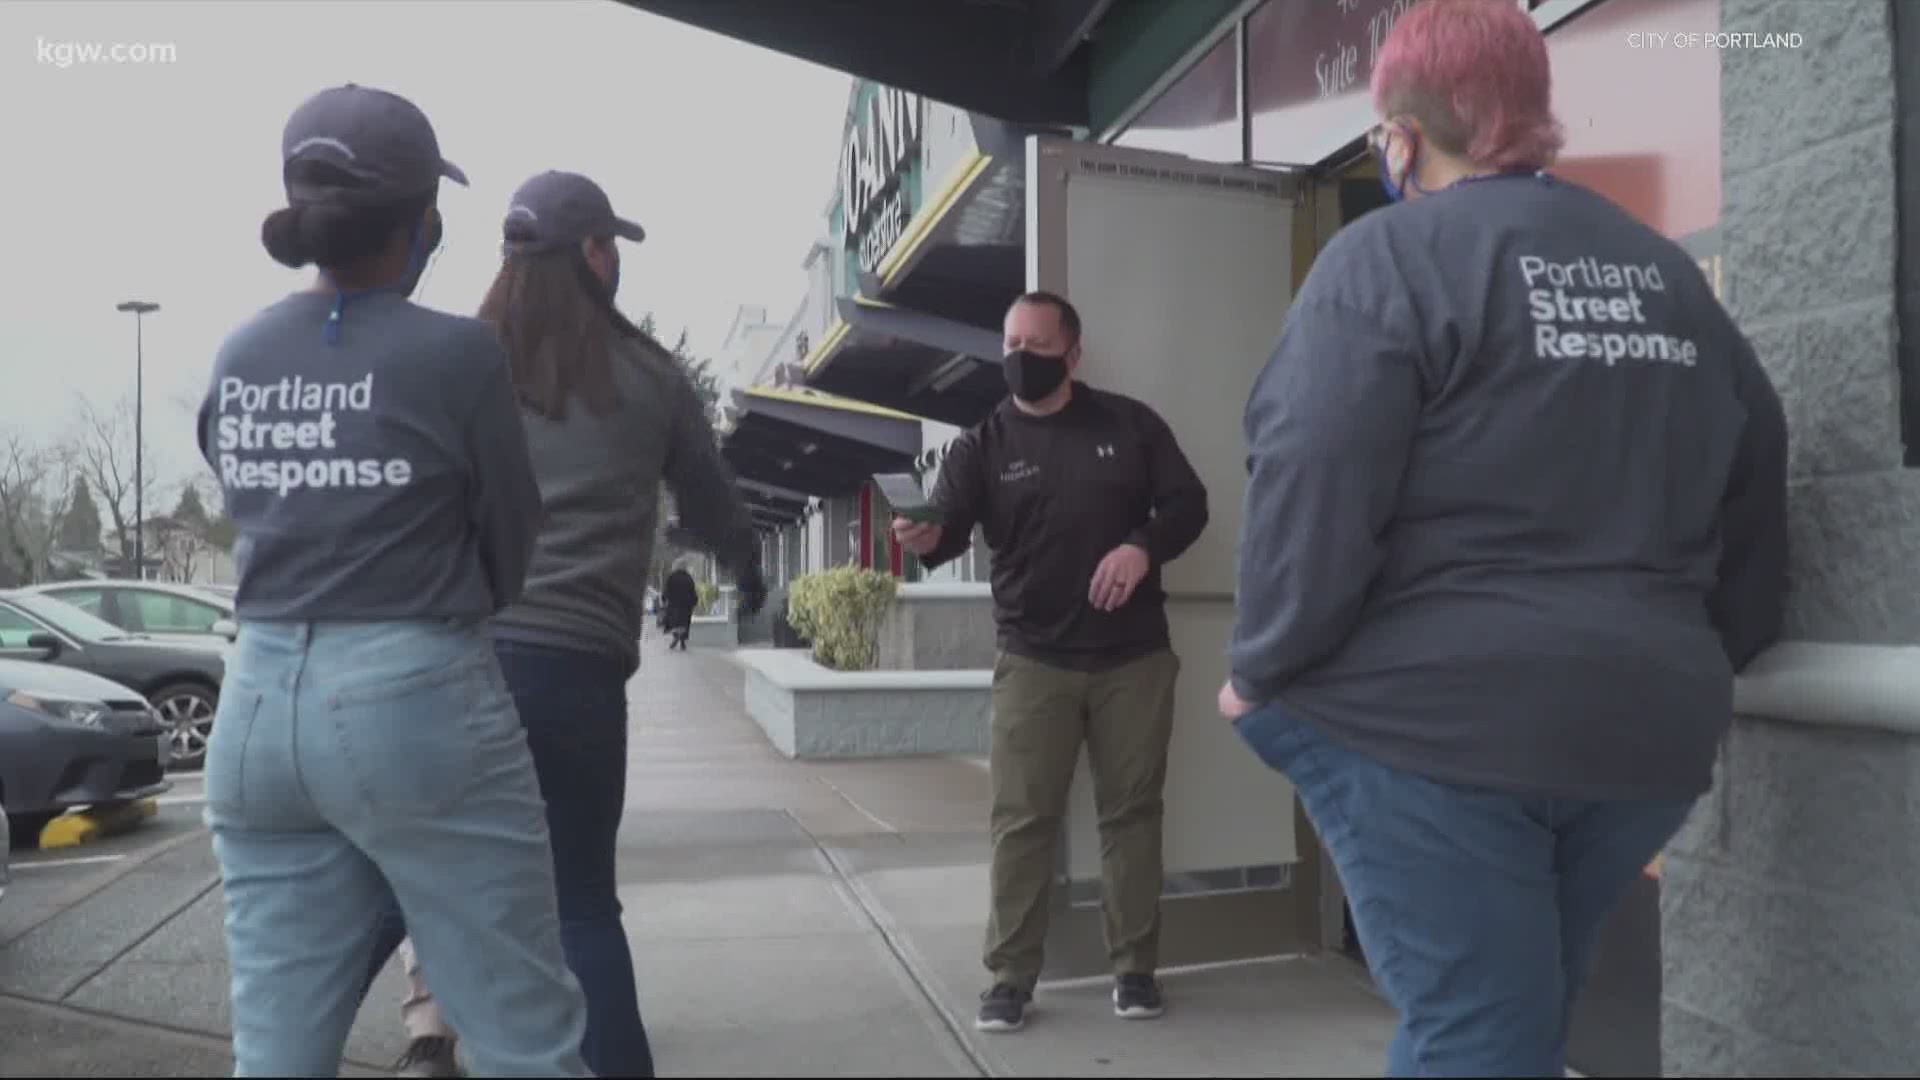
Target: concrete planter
(809, 711)
(714, 632)
(939, 626)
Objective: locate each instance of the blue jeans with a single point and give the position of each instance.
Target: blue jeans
(356, 765)
(1476, 909)
(574, 706)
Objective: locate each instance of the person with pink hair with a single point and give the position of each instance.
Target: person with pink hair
(1515, 515)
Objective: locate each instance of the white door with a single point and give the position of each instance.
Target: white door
(1182, 272)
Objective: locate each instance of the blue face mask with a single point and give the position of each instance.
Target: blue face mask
(1397, 191)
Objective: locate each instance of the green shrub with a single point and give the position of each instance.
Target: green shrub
(840, 611)
(705, 594)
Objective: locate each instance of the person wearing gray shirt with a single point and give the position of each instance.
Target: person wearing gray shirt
(1515, 516)
(610, 419)
(366, 750)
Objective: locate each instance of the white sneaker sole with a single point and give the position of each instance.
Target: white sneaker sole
(1136, 1012)
(999, 1027)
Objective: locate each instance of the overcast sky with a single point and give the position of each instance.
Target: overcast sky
(149, 180)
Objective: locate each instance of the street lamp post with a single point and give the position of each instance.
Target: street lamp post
(139, 308)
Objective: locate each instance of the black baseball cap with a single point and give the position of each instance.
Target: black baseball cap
(380, 139)
(559, 209)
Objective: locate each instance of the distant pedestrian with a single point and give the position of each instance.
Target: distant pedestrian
(1084, 496)
(610, 419)
(1516, 514)
(375, 465)
(682, 597)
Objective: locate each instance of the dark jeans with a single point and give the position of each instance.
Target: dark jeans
(1476, 909)
(574, 707)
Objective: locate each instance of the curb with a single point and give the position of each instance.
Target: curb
(78, 827)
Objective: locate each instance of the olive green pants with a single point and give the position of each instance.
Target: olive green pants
(1042, 715)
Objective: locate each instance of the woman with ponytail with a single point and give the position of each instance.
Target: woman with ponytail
(367, 750)
(611, 419)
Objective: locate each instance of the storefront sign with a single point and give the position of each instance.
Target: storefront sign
(882, 147)
(1309, 63)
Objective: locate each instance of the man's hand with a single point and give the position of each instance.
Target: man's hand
(1232, 706)
(916, 537)
(1117, 576)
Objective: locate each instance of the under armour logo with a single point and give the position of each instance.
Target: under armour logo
(1105, 451)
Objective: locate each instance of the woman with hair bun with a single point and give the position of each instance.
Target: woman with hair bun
(1515, 516)
(366, 748)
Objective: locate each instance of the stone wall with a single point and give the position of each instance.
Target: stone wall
(1791, 902)
(939, 626)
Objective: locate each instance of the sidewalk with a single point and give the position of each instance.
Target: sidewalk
(825, 918)
(787, 919)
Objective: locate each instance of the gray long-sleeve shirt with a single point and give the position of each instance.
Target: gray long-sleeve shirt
(601, 476)
(383, 477)
(1516, 504)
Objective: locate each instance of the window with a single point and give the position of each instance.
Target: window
(16, 628)
(87, 600)
(164, 613)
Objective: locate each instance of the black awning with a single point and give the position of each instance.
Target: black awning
(771, 504)
(915, 363)
(815, 445)
(967, 284)
(766, 519)
(889, 322)
(1019, 60)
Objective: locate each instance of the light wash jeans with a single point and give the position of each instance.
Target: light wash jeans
(348, 760)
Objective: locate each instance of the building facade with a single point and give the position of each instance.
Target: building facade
(829, 516)
(1770, 137)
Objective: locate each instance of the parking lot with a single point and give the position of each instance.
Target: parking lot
(112, 962)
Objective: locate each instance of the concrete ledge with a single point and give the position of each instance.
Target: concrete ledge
(809, 711)
(714, 632)
(95, 823)
(1857, 686)
(945, 590)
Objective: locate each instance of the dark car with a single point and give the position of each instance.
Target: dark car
(181, 679)
(159, 609)
(68, 739)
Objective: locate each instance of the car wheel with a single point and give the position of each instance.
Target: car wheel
(187, 709)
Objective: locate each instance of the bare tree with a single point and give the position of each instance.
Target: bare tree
(36, 491)
(104, 453)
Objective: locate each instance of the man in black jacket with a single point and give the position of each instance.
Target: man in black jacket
(1083, 496)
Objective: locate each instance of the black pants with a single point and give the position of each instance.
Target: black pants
(574, 707)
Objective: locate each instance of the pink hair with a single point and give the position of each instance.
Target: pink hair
(1475, 74)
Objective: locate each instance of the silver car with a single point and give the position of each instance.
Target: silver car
(6, 851)
(158, 609)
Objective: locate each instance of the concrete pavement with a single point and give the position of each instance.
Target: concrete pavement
(787, 919)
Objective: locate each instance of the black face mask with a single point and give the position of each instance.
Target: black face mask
(1032, 376)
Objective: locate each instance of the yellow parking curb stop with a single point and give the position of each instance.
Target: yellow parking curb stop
(78, 827)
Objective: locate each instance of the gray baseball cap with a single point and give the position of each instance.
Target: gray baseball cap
(557, 209)
(383, 140)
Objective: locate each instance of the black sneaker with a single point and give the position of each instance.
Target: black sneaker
(1137, 997)
(429, 1055)
(1003, 1008)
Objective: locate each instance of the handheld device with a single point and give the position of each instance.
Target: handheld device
(902, 491)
